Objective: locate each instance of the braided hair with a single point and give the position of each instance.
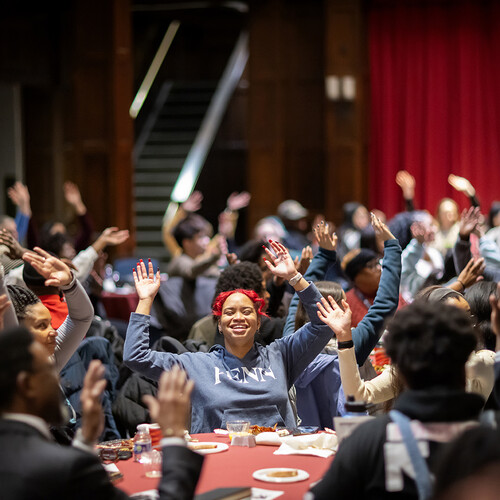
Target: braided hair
(21, 298)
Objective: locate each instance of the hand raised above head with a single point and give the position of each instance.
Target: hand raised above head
(16, 251)
(306, 256)
(382, 232)
(237, 201)
(280, 263)
(469, 219)
(406, 182)
(461, 184)
(146, 282)
(322, 235)
(336, 317)
(54, 270)
(193, 203)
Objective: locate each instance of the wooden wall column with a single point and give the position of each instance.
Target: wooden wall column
(345, 121)
(99, 134)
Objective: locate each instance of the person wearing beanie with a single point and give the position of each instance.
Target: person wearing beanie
(362, 267)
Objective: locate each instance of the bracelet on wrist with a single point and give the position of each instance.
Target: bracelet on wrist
(346, 344)
(461, 284)
(293, 281)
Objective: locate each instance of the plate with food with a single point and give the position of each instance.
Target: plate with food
(207, 447)
(280, 475)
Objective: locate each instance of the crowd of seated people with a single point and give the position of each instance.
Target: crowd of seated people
(279, 329)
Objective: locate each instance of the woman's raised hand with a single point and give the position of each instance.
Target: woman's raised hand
(382, 232)
(325, 240)
(147, 283)
(281, 263)
(337, 319)
(54, 270)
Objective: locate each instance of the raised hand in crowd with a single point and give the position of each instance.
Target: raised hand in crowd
(4, 304)
(323, 237)
(420, 231)
(16, 250)
(336, 317)
(382, 232)
(236, 201)
(462, 185)
(171, 407)
(495, 315)
(94, 384)
(73, 196)
(147, 284)
(111, 236)
(193, 203)
(469, 275)
(406, 182)
(281, 264)
(54, 270)
(306, 256)
(20, 196)
(469, 220)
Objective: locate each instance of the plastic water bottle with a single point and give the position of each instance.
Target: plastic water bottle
(142, 442)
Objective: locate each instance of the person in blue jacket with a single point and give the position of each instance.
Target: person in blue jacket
(242, 379)
(319, 391)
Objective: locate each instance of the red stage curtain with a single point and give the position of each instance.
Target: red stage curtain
(435, 99)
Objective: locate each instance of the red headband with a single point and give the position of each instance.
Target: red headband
(259, 302)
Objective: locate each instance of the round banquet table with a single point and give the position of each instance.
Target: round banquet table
(234, 467)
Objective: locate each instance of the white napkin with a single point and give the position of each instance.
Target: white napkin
(320, 445)
(269, 438)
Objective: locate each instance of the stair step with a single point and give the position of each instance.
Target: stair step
(148, 221)
(183, 109)
(189, 124)
(169, 136)
(152, 192)
(163, 164)
(155, 178)
(165, 150)
(156, 207)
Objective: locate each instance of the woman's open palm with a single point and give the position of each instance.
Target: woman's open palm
(146, 282)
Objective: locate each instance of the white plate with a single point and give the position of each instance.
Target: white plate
(220, 447)
(262, 475)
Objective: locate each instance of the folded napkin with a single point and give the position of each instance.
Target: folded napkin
(269, 438)
(320, 445)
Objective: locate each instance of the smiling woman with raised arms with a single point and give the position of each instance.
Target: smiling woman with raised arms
(242, 379)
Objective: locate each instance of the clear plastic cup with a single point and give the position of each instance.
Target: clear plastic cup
(238, 428)
(151, 462)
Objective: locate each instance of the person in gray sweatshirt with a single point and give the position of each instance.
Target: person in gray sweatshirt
(242, 380)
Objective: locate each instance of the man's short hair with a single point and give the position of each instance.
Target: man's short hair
(246, 275)
(16, 357)
(188, 227)
(430, 344)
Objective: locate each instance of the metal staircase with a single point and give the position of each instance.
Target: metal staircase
(173, 144)
(160, 157)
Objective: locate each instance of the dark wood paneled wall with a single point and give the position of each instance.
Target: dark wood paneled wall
(74, 64)
(301, 145)
(98, 140)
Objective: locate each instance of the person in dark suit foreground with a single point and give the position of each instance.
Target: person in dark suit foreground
(34, 467)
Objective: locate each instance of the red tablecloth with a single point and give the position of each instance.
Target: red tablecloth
(119, 306)
(234, 467)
